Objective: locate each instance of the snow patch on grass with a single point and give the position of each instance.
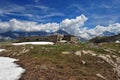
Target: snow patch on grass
(9, 70)
(34, 43)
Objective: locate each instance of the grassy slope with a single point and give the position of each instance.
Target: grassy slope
(62, 67)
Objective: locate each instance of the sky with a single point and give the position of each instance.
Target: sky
(51, 15)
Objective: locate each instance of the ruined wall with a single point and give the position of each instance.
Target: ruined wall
(70, 38)
(53, 38)
(73, 39)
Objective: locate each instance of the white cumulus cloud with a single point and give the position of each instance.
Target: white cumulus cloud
(16, 25)
(99, 30)
(72, 26)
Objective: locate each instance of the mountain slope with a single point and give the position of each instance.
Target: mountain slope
(105, 39)
(16, 34)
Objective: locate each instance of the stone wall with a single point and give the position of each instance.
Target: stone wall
(52, 38)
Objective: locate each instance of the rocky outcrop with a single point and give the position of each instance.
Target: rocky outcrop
(113, 60)
(115, 63)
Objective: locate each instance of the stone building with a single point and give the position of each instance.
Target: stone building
(52, 38)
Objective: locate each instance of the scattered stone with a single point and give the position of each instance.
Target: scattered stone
(100, 76)
(110, 50)
(118, 60)
(88, 52)
(107, 58)
(114, 56)
(119, 51)
(43, 67)
(91, 52)
(24, 51)
(31, 47)
(83, 62)
(67, 52)
(116, 66)
(100, 61)
(78, 53)
(92, 45)
(52, 67)
(13, 54)
(84, 52)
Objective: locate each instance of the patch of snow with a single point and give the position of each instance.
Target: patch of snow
(34, 43)
(117, 41)
(9, 70)
(63, 41)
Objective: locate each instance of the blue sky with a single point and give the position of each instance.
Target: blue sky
(98, 12)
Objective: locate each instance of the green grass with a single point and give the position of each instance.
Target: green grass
(6, 43)
(52, 53)
(114, 47)
(69, 64)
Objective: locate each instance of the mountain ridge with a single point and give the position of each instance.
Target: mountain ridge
(16, 34)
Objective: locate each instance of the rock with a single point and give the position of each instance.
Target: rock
(100, 61)
(83, 62)
(78, 53)
(114, 56)
(118, 60)
(88, 52)
(91, 52)
(119, 51)
(115, 64)
(52, 68)
(43, 67)
(107, 58)
(24, 51)
(84, 52)
(100, 76)
(31, 47)
(67, 52)
(92, 45)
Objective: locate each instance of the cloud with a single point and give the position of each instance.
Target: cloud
(51, 15)
(28, 11)
(26, 26)
(93, 11)
(18, 14)
(68, 25)
(11, 8)
(44, 8)
(72, 26)
(99, 30)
